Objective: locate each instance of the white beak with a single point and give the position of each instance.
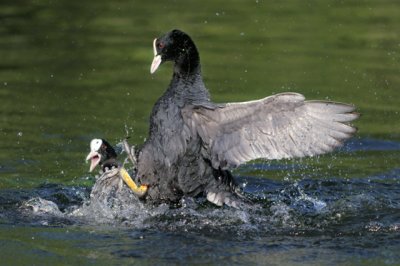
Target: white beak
(94, 158)
(157, 59)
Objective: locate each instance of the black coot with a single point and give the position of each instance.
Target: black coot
(103, 154)
(193, 142)
(113, 174)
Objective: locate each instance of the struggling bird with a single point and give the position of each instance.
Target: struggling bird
(193, 143)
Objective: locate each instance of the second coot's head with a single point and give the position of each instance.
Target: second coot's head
(101, 153)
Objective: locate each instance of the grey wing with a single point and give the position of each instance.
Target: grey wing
(280, 126)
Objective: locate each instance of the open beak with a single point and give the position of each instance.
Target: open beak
(157, 59)
(94, 158)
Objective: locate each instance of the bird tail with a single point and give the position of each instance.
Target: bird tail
(224, 190)
(230, 199)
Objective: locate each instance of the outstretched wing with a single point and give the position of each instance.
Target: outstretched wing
(280, 126)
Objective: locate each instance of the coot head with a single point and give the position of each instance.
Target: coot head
(101, 153)
(178, 47)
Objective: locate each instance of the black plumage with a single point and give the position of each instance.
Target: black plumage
(103, 154)
(193, 142)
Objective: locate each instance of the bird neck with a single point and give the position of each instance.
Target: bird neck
(109, 163)
(187, 84)
(188, 63)
(188, 89)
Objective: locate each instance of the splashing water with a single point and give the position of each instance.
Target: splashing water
(337, 218)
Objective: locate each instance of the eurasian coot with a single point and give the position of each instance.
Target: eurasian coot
(112, 173)
(193, 142)
(103, 154)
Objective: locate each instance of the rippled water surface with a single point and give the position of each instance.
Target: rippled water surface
(71, 71)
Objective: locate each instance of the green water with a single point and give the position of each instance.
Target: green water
(71, 71)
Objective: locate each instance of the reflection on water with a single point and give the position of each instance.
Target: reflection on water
(72, 71)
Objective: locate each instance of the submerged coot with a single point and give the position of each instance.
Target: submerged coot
(112, 174)
(193, 142)
(103, 154)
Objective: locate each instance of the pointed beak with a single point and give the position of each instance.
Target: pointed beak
(94, 158)
(157, 59)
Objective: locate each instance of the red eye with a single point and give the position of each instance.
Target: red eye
(161, 45)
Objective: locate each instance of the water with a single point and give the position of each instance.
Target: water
(310, 220)
(70, 72)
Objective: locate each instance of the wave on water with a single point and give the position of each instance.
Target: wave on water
(338, 207)
(308, 206)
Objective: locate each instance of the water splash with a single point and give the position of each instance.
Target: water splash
(301, 207)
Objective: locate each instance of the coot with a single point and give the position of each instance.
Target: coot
(103, 154)
(112, 173)
(193, 143)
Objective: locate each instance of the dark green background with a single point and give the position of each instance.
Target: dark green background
(71, 71)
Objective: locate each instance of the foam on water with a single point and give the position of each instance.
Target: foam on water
(307, 216)
(291, 207)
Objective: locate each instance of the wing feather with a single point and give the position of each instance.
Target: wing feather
(279, 126)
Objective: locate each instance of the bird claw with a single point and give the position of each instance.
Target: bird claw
(139, 191)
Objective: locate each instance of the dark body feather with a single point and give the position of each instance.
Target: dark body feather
(193, 142)
(172, 161)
